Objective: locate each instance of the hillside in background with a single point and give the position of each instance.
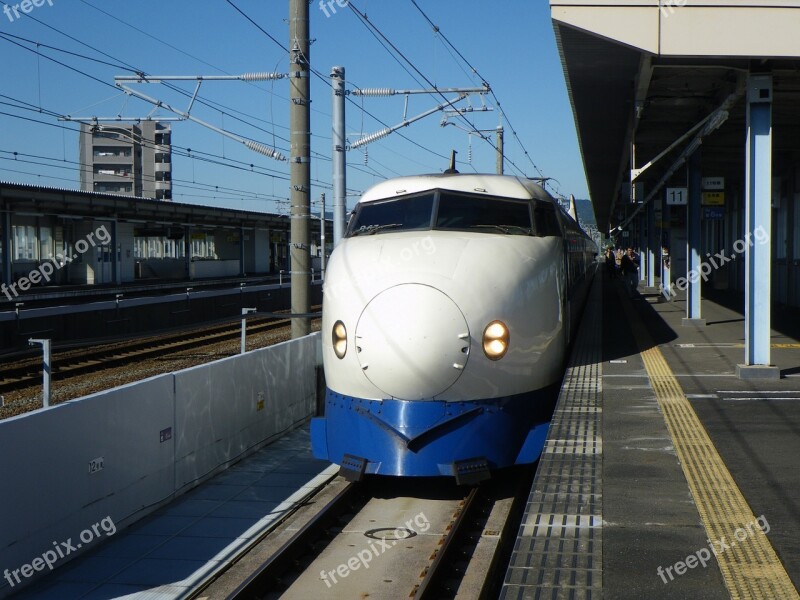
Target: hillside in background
(585, 213)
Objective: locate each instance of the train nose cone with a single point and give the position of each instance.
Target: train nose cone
(412, 342)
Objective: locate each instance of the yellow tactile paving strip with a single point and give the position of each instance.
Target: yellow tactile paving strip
(749, 565)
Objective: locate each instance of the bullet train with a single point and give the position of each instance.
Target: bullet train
(448, 309)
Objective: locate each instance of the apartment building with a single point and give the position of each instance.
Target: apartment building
(134, 160)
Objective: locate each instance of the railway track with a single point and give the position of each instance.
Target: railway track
(24, 373)
(441, 542)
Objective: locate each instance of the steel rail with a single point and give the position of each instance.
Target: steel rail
(267, 575)
(434, 579)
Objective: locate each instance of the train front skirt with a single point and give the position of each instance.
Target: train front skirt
(465, 439)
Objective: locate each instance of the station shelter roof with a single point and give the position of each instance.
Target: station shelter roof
(641, 74)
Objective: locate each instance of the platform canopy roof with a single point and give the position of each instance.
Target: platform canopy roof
(643, 73)
(20, 198)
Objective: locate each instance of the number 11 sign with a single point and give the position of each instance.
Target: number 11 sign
(677, 196)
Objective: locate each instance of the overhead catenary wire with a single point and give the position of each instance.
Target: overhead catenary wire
(325, 79)
(377, 32)
(252, 144)
(119, 64)
(144, 143)
(182, 151)
(72, 180)
(192, 153)
(124, 66)
(439, 32)
(114, 62)
(88, 168)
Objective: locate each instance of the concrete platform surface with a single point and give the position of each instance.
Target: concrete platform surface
(697, 496)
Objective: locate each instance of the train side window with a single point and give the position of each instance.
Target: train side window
(545, 220)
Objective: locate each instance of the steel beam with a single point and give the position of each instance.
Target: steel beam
(642, 250)
(694, 243)
(6, 248)
(758, 231)
(651, 242)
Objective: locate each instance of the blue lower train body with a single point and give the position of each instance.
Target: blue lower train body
(433, 437)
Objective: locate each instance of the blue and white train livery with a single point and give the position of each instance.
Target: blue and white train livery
(446, 317)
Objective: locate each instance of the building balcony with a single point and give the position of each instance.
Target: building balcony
(112, 178)
(112, 154)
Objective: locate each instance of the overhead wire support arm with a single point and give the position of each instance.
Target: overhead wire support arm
(383, 92)
(261, 76)
(711, 123)
(254, 146)
(119, 119)
(405, 123)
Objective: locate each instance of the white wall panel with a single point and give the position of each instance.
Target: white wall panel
(217, 414)
(212, 417)
(49, 493)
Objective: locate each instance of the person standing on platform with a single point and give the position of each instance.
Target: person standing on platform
(611, 264)
(630, 271)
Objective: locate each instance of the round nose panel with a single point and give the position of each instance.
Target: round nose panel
(412, 342)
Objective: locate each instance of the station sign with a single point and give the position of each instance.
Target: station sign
(713, 213)
(713, 183)
(713, 198)
(677, 196)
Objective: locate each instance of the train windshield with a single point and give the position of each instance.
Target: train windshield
(481, 213)
(440, 209)
(397, 214)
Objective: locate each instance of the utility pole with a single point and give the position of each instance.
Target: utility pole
(500, 155)
(322, 238)
(300, 156)
(339, 154)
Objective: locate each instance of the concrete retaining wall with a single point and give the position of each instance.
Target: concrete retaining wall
(125, 452)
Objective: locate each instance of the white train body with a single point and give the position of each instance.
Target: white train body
(416, 304)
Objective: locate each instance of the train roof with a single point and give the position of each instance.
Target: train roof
(505, 186)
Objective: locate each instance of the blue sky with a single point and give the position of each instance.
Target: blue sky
(511, 43)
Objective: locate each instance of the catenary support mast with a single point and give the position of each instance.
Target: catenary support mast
(300, 156)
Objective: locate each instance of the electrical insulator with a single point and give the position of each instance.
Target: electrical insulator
(265, 150)
(262, 76)
(374, 92)
(372, 137)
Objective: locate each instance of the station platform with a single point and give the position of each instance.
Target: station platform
(665, 475)
(170, 553)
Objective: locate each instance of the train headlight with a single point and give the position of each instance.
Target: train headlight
(339, 339)
(495, 340)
